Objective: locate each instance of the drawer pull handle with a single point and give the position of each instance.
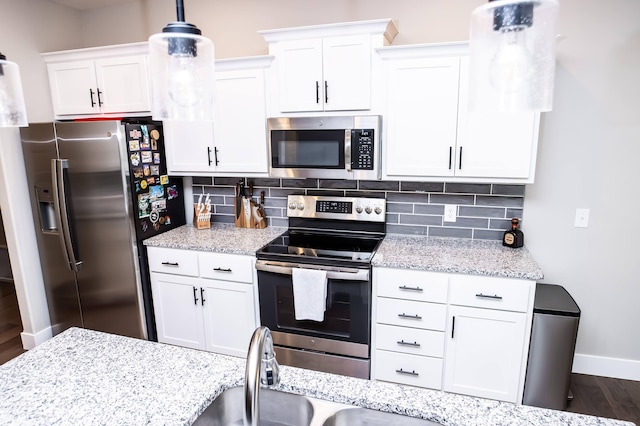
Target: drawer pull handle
(195, 297)
(409, 373)
(403, 315)
(488, 296)
(414, 344)
(404, 287)
(170, 263)
(222, 269)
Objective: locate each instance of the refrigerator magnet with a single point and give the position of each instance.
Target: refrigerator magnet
(135, 134)
(138, 173)
(143, 205)
(155, 134)
(146, 170)
(151, 180)
(159, 204)
(156, 192)
(135, 159)
(143, 184)
(164, 179)
(156, 226)
(167, 220)
(156, 158)
(155, 170)
(154, 144)
(145, 225)
(138, 189)
(145, 144)
(154, 216)
(134, 145)
(161, 220)
(146, 156)
(172, 192)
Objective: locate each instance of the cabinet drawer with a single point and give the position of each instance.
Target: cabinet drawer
(505, 294)
(410, 340)
(412, 285)
(173, 261)
(409, 369)
(226, 267)
(408, 313)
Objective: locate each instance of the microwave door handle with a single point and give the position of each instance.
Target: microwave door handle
(62, 213)
(347, 149)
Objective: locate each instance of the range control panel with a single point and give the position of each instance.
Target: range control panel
(362, 149)
(345, 208)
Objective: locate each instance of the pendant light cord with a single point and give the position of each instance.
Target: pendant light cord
(180, 10)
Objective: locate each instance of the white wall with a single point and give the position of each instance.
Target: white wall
(589, 146)
(30, 27)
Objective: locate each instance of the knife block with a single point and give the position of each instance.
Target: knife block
(249, 216)
(201, 220)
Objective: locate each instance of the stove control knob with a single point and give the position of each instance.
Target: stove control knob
(368, 209)
(359, 209)
(378, 210)
(292, 205)
(300, 206)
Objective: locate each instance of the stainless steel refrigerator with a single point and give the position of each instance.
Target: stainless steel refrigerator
(97, 190)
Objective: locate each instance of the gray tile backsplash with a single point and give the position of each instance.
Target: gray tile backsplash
(483, 210)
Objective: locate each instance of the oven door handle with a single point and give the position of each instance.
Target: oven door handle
(332, 273)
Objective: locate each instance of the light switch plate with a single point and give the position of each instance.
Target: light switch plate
(450, 212)
(582, 218)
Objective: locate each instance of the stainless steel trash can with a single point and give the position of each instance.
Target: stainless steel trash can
(553, 341)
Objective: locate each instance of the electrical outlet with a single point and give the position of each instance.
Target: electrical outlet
(582, 218)
(450, 212)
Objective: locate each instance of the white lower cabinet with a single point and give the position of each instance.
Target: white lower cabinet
(460, 333)
(213, 309)
(410, 317)
(484, 352)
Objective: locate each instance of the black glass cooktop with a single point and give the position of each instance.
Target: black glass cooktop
(313, 247)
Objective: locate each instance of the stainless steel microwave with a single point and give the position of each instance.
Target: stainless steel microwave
(336, 147)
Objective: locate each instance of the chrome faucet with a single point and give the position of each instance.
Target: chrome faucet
(262, 368)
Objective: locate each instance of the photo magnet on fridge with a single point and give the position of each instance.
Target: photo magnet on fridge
(146, 156)
(156, 192)
(144, 207)
(156, 158)
(138, 172)
(155, 170)
(146, 170)
(134, 145)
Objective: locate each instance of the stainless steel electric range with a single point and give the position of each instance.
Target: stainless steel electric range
(338, 235)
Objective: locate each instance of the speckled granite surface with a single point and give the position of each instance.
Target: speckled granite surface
(456, 256)
(221, 238)
(83, 377)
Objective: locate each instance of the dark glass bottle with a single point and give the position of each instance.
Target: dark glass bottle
(513, 237)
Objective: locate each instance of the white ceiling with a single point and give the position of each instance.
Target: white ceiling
(90, 4)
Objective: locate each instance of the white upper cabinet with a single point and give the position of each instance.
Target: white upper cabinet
(332, 74)
(99, 81)
(430, 134)
(325, 68)
(236, 141)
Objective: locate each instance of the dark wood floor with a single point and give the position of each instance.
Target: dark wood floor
(593, 395)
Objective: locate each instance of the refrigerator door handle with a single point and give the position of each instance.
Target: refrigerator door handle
(62, 213)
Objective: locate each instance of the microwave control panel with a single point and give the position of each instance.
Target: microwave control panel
(362, 149)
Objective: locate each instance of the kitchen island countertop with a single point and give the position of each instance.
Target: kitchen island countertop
(221, 238)
(454, 255)
(84, 377)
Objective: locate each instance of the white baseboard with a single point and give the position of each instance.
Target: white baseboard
(31, 340)
(607, 367)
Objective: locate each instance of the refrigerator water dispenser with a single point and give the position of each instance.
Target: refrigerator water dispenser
(46, 210)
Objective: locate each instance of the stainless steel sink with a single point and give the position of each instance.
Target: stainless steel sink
(276, 409)
(364, 416)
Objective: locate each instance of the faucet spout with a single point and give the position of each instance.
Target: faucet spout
(262, 368)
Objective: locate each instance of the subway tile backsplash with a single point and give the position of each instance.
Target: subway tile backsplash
(483, 210)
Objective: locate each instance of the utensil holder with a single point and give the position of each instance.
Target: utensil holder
(201, 220)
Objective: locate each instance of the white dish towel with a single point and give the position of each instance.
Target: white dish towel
(309, 294)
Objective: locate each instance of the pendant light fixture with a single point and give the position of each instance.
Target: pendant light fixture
(512, 55)
(12, 109)
(181, 65)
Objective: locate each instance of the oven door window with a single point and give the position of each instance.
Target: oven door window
(346, 317)
(308, 149)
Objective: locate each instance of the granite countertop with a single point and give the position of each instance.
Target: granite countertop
(456, 256)
(221, 238)
(84, 377)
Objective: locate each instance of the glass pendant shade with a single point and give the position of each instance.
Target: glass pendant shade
(512, 56)
(12, 110)
(181, 64)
